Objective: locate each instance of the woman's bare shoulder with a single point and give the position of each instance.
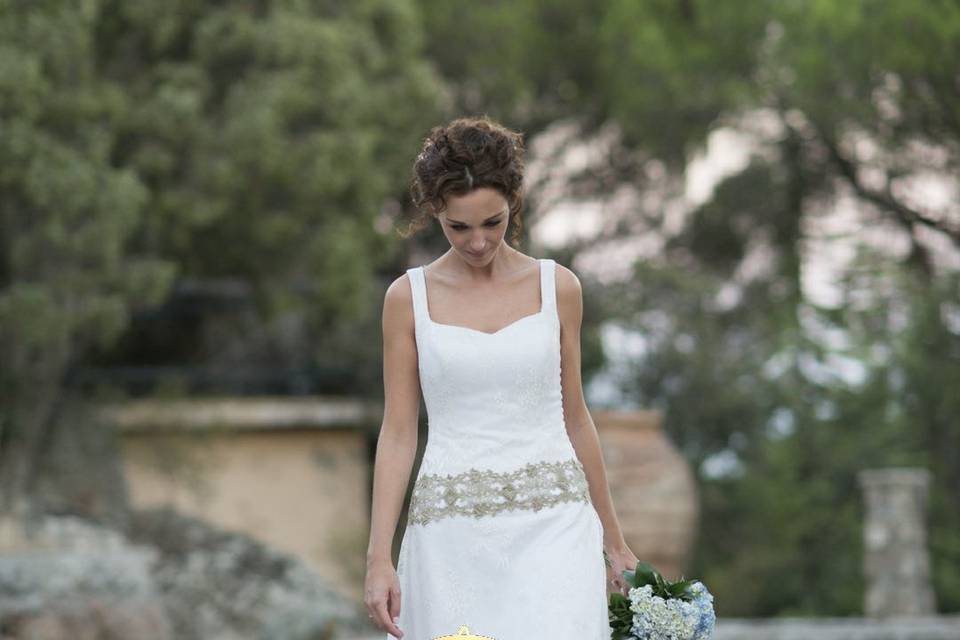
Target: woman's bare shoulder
(569, 294)
(398, 303)
(567, 281)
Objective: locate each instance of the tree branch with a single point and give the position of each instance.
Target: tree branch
(885, 199)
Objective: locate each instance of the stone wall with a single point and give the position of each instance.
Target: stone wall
(289, 472)
(919, 628)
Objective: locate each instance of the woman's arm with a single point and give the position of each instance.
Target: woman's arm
(396, 450)
(579, 423)
(397, 442)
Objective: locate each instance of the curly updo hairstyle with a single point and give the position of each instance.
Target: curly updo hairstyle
(467, 154)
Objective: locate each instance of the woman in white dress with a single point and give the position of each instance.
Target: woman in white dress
(510, 514)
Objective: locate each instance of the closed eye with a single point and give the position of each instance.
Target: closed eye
(491, 223)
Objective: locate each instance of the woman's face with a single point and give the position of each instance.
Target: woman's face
(475, 224)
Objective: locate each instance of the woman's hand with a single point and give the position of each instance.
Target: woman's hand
(620, 559)
(382, 596)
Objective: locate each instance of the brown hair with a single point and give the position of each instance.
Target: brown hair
(467, 154)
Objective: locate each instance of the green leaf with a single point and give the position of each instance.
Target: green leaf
(646, 574)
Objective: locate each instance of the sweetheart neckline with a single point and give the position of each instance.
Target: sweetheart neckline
(541, 265)
(486, 333)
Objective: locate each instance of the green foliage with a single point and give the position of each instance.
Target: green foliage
(645, 574)
(619, 616)
(670, 69)
(66, 212)
(270, 138)
(67, 279)
(141, 142)
(147, 142)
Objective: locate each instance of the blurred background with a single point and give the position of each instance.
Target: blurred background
(199, 215)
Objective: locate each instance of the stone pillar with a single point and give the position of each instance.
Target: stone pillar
(896, 564)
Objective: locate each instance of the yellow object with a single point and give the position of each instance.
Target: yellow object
(463, 634)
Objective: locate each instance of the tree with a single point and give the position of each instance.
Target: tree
(145, 144)
(66, 216)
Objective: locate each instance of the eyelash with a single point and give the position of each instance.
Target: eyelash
(489, 224)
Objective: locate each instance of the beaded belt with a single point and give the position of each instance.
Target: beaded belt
(479, 493)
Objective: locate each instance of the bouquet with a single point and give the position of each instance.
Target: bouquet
(658, 609)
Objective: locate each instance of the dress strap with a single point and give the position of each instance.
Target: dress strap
(419, 289)
(548, 287)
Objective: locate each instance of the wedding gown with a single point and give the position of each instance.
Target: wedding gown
(501, 535)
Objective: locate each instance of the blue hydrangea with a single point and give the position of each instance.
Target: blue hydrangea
(656, 618)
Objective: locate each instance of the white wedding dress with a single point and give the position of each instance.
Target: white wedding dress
(501, 535)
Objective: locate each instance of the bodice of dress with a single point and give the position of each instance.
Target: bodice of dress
(496, 433)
